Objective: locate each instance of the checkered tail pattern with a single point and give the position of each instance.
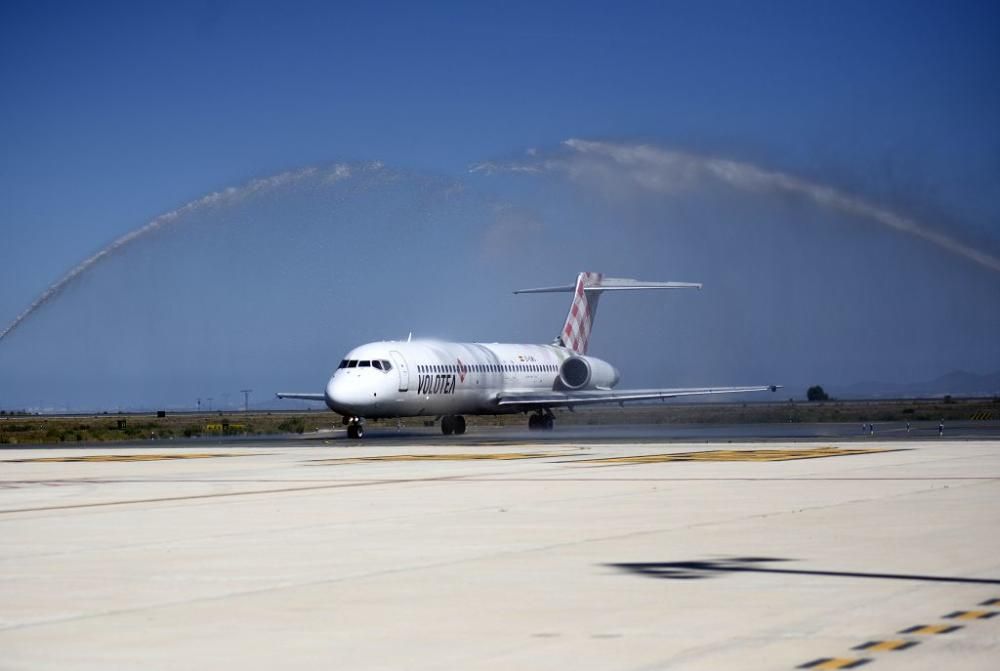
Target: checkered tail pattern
(580, 320)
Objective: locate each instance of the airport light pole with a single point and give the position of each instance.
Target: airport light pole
(246, 399)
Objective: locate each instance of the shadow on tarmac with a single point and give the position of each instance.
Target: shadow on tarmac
(695, 570)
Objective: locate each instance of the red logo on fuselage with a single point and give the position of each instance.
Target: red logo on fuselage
(462, 370)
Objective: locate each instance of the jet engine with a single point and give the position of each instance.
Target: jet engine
(586, 372)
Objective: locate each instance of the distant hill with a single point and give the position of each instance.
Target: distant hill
(956, 383)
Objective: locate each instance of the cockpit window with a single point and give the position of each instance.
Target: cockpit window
(364, 364)
(376, 364)
(343, 364)
(386, 365)
(353, 363)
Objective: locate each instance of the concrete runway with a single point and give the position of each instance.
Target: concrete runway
(424, 552)
(646, 433)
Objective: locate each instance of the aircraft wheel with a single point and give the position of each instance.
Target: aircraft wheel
(459, 425)
(355, 431)
(532, 422)
(447, 425)
(548, 422)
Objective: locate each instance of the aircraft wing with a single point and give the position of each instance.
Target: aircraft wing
(549, 399)
(302, 397)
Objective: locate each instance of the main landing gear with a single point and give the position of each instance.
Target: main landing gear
(453, 424)
(355, 429)
(543, 421)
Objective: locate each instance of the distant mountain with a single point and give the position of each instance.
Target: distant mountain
(956, 383)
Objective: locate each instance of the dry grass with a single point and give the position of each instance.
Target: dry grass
(31, 429)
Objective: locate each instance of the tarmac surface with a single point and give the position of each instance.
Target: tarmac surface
(498, 550)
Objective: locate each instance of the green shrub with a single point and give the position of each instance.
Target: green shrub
(293, 425)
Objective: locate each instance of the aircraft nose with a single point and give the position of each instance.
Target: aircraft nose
(330, 394)
(348, 395)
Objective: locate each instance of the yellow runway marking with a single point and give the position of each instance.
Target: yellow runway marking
(884, 646)
(499, 456)
(895, 645)
(834, 663)
(930, 629)
(735, 455)
(126, 457)
(971, 615)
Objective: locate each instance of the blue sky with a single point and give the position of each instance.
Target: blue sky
(115, 113)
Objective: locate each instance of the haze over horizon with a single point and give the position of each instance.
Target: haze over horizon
(237, 194)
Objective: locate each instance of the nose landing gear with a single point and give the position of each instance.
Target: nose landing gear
(453, 424)
(543, 421)
(355, 429)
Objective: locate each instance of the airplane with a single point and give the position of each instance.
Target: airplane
(449, 380)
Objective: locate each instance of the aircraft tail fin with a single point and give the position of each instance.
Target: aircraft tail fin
(575, 334)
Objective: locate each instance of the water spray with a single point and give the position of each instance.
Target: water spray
(228, 196)
(667, 171)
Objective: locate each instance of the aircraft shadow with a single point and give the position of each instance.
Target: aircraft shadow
(713, 568)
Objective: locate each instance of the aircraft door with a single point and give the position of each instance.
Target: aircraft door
(404, 370)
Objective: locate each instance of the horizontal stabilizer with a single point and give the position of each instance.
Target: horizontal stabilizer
(613, 284)
(575, 334)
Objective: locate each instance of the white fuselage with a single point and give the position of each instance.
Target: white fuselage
(430, 377)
